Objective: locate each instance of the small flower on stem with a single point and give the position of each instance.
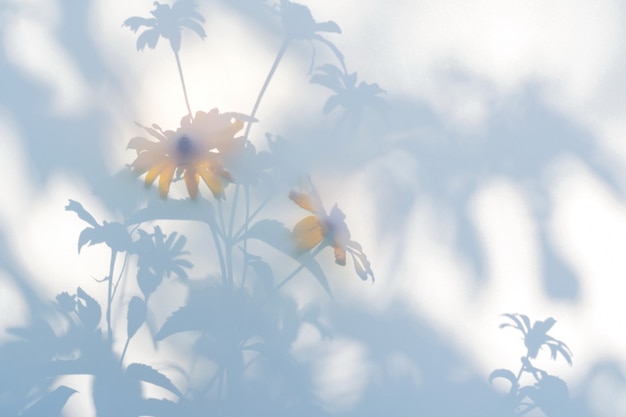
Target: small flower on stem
(329, 229)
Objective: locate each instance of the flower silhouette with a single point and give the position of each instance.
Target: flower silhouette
(160, 256)
(196, 149)
(114, 235)
(352, 97)
(536, 336)
(332, 229)
(168, 23)
(299, 24)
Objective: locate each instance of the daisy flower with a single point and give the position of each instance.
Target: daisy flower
(330, 229)
(198, 149)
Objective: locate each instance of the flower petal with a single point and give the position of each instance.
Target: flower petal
(155, 171)
(212, 181)
(191, 181)
(308, 233)
(145, 161)
(166, 179)
(303, 200)
(340, 254)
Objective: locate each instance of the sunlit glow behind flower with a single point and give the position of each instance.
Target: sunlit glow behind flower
(197, 149)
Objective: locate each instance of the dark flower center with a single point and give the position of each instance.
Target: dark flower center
(184, 146)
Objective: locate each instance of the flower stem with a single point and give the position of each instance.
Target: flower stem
(124, 351)
(299, 268)
(110, 294)
(182, 81)
(279, 56)
(218, 249)
(245, 241)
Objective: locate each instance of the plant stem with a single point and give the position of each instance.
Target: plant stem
(119, 278)
(299, 268)
(218, 249)
(182, 81)
(110, 295)
(124, 351)
(279, 56)
(245, 241)
(242, 231)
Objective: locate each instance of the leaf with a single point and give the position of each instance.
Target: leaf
(274, 234)
(309, 262)
(148, 281)
(148, 374)
(136, 315)
(263, 272)
(51, 404)
(89, 312)
(89, 235)
(503, 373)
(181, 320)
(83, 214)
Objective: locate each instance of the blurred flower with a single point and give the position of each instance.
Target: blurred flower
(114, 235)
(332, 228)
(299, 24)
(197, 149)
(536, 336)
(348, 95)
(167, 23)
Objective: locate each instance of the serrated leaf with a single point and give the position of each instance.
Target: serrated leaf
(181, 320)
(274, 233)
(148, 374)
(136, 315)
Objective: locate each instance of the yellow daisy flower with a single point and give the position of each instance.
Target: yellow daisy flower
(197, 149)
(319, 227)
